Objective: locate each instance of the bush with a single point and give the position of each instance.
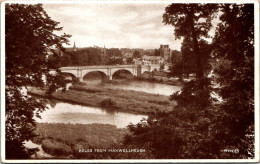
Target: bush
(107, 103)
(54, 147)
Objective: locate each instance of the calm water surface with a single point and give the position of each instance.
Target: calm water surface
(62, 112)
(73, 114)
(144, 86)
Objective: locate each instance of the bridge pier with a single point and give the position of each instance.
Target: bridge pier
(110, 77)
(79, 79)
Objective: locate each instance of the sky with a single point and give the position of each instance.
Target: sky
(115, 25)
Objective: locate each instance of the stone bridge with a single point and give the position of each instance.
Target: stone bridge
(136, 70)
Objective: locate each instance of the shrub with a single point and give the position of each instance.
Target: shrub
(54, 147)
(107, 103)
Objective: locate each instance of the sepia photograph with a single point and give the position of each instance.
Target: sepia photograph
(129, 81)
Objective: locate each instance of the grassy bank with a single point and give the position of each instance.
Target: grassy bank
(67, 139)
(84, 141)
(112, 99)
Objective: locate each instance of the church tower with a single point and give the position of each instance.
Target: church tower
(74, 47)
(103, 55)
(104, 51)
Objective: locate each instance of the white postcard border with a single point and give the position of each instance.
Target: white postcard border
(256, 85)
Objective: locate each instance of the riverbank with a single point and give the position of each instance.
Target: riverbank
(150, 80)
(68, 140)
(111, 99)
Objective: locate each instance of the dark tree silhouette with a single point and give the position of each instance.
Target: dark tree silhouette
(193, 21)
(202, 126)
(234, 72)
(136, 54)
(29, 37)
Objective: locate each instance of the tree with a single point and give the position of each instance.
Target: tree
(162, 67)
(86, 56)
(184, 62)
(29, 35)
(191, 20)
(156, 52)
(177, 65)
(201, 126)
(189, 60)
(129, 60)
(66, 60)
(136, 54)
(234, 72)
(114, 52)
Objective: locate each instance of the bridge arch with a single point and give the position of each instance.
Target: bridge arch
(70, 71)
(144, 71)
(122, 70)
(85, 72)
(102, 74)
(69, 76)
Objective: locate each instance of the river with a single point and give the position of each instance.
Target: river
(61, 112)
(137, 85)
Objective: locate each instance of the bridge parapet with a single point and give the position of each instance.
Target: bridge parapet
(98, 67)
(108, 70)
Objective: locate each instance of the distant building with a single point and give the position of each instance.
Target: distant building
(153, 59)
(104, 53)
(149, 60)
(74, 47)
(165, 53)
(137, 61)
(128, 55)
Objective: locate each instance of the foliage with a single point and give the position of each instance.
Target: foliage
(114, 56)
(189, 60)
(234, 72)
(29, 36)
(55, 148)
(64, 140)
(192, 21)
(114, 52)
(137, 54)
(129, 60)
(177, 65)
(202, 125)
(86, 56)
(156, 52)
(65, 60)
(162, 67)
(114, 61)
(182, 133)
(107, 103)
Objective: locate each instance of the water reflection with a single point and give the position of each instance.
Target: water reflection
(71, 113)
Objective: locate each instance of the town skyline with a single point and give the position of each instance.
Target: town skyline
(74, 44)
